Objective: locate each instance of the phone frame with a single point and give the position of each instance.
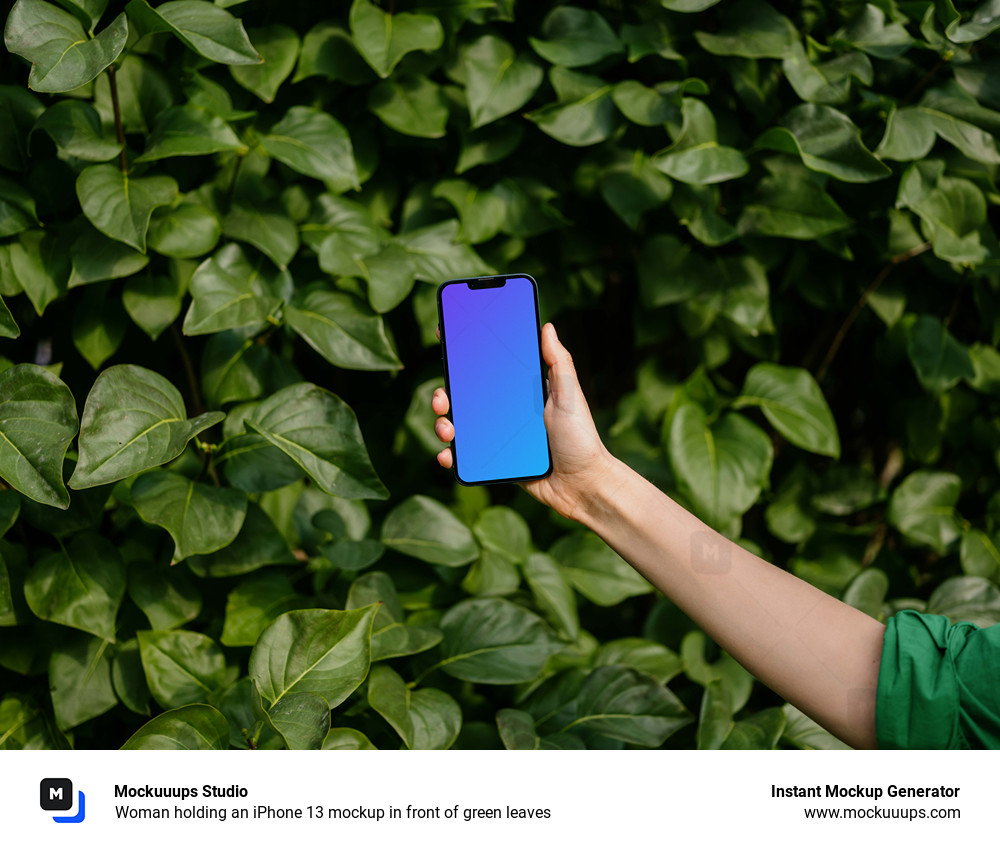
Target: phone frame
(492, 282)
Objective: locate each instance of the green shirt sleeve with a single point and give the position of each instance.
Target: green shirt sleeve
(938, 684)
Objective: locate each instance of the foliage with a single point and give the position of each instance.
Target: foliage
(767, 231)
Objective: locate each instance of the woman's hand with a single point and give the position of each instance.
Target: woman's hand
(579, 458)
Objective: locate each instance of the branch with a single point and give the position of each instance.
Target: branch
(838, 340)
(119, 130)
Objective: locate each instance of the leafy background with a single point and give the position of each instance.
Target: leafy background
(766, 231)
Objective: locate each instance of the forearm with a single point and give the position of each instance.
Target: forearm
(817, 652)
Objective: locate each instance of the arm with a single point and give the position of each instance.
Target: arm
(817, 652)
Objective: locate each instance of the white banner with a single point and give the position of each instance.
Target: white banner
(499, 799)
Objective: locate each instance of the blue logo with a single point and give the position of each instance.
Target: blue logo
(57, 795)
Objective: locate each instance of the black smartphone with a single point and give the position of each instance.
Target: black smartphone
(493, 372)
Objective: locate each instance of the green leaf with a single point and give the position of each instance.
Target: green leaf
(17, 208)
(167, 597)
(23, 726)
(552, 593)
(8, 327)
(952, 211)
(642, 105)
(62, 57)
(970, 599)
(313, 651)
(97, 258)
(827, 141)
(596, 570)
(200, 518)
(494, 641)
(410, 104)
(391, 638)
(254, 604)
(313, 143)
(436, 254)
(278, 46)
(984, 21)
(384, 39)
(424, 528)
(186, 231)
(754, 30)
(193, 727)
(81, 586)
(207, 29)
(490, 144)
(517, 731)
(189, 131)
(259, 544)
(181, 667)
(117, 441)
(153, 303)
(715, 719)
(498, 81)
(505, 531)
(628, 706)
(231, 291)
(806, 734)
(302, 720)
(425, 718)
(39, 263)
(867, 591)
(327, 50)
(341, 328)
(646, 656)
(980, 554)
(696, 156)
(98, 327)
(87, 11)
(320, 434)
(721, 468)
(80, 681)
(794, 405)
(938, 358)
(482, 213)
(869, 32)
(346, 738)
(669, 272)
(760, 731)
(909, 135)
(493, 574)
(633, 186)
(389, 274)
(575, 37)
(922, 507)
(10, 507)
(120, 206)
(128, 677)
(584, 119)
(793, 207)
(266, 226)
(37, 423)
(75, 127)
(829, 82)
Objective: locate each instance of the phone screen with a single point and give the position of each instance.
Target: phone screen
(493, 371)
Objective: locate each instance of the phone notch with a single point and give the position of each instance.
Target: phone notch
(487, 283)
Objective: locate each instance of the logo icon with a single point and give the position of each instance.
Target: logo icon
(56, 795)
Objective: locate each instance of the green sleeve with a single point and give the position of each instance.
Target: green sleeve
(938, 684)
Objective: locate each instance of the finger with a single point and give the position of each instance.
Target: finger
(564, 386)
(444, 458)
(444, 429)
(439, 402)
(437, 332)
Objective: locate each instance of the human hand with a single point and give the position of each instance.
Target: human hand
(579, 458)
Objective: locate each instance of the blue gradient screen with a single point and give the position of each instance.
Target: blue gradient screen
(495, 380)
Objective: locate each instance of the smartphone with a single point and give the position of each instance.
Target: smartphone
(491, 351)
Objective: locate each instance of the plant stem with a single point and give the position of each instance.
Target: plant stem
(916, 251)
(196, 400)
(119, 130)
(232, 182)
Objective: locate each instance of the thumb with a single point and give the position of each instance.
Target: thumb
(564, 386)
